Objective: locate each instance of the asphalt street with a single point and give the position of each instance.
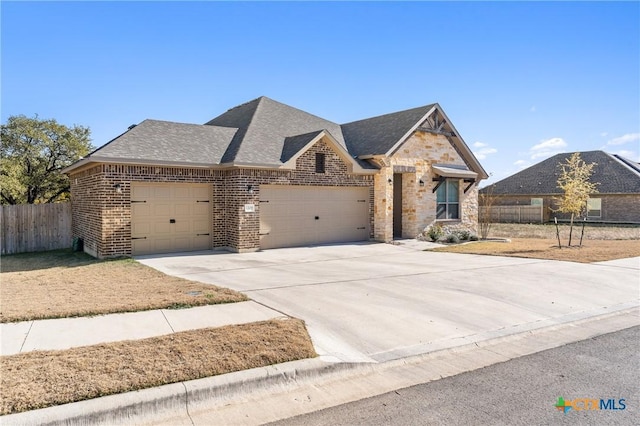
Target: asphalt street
(523, 391)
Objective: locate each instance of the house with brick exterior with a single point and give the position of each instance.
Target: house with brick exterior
(617, 199)
(266, 175)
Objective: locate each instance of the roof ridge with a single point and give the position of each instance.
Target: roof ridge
(392, 113)
(626, 162)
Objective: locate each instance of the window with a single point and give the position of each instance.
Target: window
(319, 162)
(447, 197)
(536, 201)
(594, 207)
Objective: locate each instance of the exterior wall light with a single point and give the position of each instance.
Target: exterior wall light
(250, 189)
(118, 188)
(390, 181)
(421, 182)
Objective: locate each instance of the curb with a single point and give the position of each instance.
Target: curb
(181, 401)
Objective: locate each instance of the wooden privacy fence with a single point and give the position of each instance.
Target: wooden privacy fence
(35, 227)
(513, 214)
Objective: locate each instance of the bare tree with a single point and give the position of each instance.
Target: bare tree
(486, 199)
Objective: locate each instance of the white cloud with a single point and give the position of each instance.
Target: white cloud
(621, 140)
(547, 148)
(479, 144)
(604, 134)
(482, 153)
(532, 109)
(522, 164)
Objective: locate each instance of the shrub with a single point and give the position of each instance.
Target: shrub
(452, 238)
(473, 237)
(463, 234)
(435, 233)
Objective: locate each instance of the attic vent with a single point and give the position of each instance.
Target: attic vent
(131, 127)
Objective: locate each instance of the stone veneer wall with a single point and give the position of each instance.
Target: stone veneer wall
(421, 150)
(102, 217)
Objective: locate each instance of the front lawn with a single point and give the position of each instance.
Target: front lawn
(543, 248)
(63, 283)
(43, 378)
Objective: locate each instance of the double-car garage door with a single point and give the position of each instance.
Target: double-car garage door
(167, 217)
(293, 216)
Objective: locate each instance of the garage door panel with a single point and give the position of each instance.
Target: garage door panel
(201, 226)
(288, 219)
(161, 191)
(200, 193)
(189, 206)
(140, 209)
(201, 209)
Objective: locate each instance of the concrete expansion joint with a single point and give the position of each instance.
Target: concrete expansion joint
(26, 336)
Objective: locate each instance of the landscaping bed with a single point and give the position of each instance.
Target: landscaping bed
(63, 283)
(44, 378)
(600, 243)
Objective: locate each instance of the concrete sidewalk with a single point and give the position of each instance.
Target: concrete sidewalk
(65, 333)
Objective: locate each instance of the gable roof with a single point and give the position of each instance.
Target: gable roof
(378, 135)
(263, 126)
(616, 175)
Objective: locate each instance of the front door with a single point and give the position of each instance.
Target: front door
(397, 205)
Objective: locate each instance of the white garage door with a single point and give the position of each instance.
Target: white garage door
(168, 217)
(305, 215)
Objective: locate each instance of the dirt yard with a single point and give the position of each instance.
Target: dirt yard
(599, 244)
(44, 378)
(63, 283)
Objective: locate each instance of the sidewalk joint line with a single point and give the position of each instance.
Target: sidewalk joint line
(167, 320)
(26, 336)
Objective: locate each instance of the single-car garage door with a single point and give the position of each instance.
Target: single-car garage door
(168, 217)
(304, 215)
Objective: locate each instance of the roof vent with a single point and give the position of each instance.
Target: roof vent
(131, 127)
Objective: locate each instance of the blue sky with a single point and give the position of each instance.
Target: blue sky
(520, 81)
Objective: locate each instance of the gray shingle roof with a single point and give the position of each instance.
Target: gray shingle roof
(263, 126)
(165, 141)
(293, 144)
(614, 175)
(377, 135)
(261, 131)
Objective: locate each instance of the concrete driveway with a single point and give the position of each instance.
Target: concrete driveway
(376, 302)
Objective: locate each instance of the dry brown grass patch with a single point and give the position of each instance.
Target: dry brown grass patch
(548, 231)
(44, 378)
(591, 250)
(66, 284)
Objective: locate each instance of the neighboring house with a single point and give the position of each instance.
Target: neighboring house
(617, 199)
(265, 175)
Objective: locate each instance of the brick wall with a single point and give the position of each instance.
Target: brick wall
(245, 227)
(102, 216)
(615, 207)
